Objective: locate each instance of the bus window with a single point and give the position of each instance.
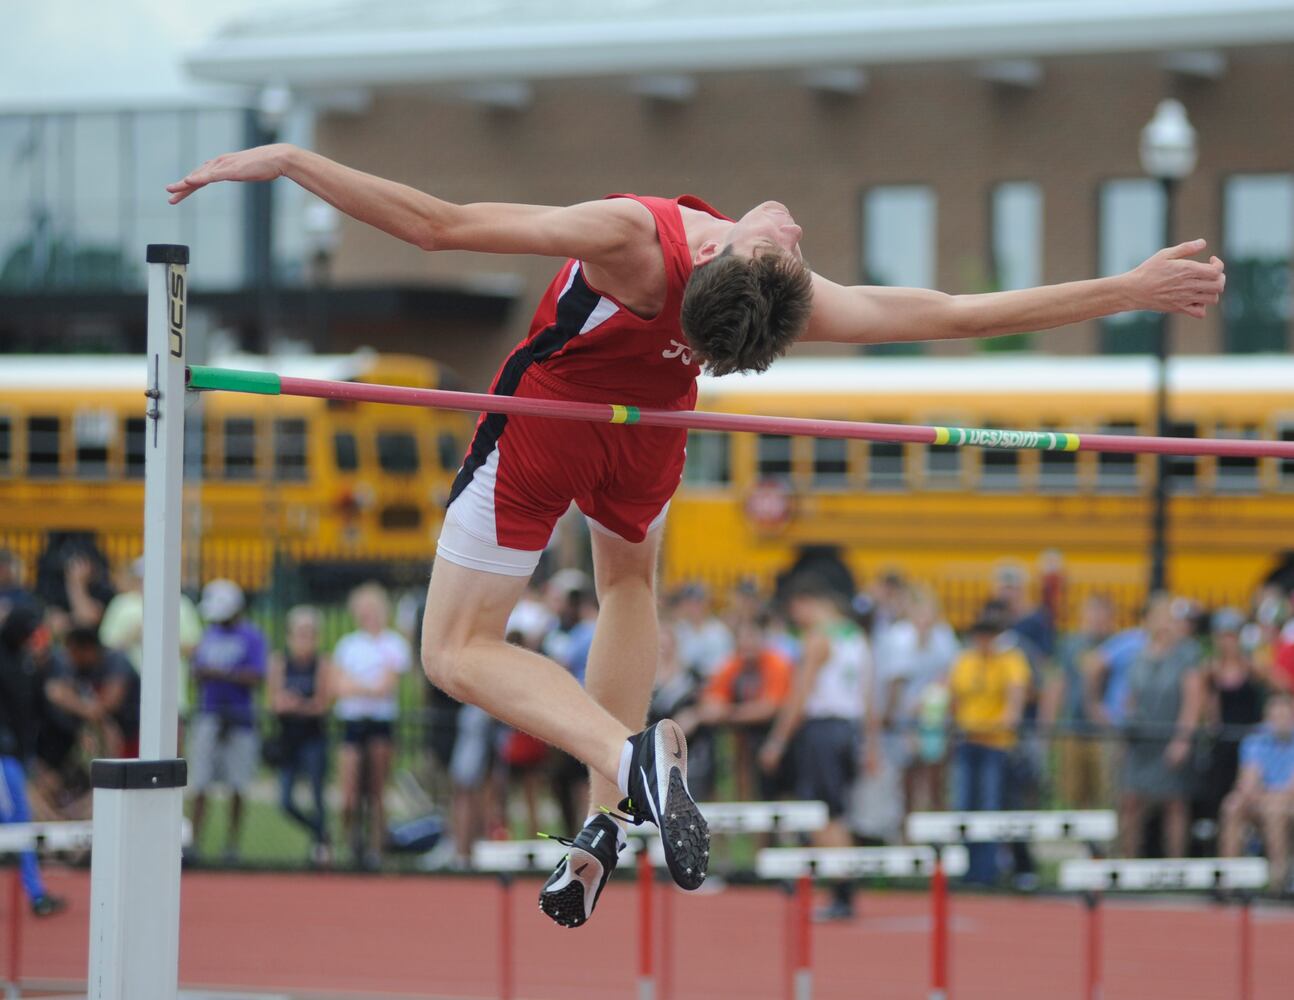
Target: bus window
(885, 462)
(999, 468)
(450, 451)
(943, 461)
(290, 450)
(1057, 470)
(135, 444)
(708, 459)
(830, 462)
(1235, 474)
(6, 445)
(43, 435)
(1285, 469)
(92, 431)
(1182, 469)
(1117, 472)
(774, 451)
(345, 453)
(397, 451)
(240, 448)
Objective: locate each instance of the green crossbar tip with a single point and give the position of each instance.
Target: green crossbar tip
(229, 380)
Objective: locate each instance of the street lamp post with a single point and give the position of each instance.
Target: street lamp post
(1168, 153)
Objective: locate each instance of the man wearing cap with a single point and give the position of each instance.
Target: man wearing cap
(228, 665)
(988, 684)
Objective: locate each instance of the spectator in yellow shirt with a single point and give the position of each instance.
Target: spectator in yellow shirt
(988, 685)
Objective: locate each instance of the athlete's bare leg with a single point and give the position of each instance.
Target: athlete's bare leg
(465, 655)
(626, 640)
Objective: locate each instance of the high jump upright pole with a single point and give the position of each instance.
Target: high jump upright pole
(138, 804)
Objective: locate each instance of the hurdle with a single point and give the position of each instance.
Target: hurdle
(942, 829)
(730, 818)
(16, 838)
(507, 858)
(799, 867)
(1222, 875)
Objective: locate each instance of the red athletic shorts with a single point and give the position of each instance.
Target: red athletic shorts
(522, 473)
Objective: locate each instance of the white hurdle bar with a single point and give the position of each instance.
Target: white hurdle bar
(1094, 877)
(1164, 874)
(857, 862)
(1098, 825)
(18, 837)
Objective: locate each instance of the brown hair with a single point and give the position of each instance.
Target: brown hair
(741, 313)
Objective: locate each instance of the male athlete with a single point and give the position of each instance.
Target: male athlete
(651, 290)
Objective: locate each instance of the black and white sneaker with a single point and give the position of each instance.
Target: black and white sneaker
(658, 794)
(572, 890)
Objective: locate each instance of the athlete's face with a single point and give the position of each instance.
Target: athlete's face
(766, 227)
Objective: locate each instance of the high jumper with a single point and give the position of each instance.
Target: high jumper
(651, 291)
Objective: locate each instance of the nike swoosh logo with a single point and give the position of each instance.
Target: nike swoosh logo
(580, 870)
(678, 748)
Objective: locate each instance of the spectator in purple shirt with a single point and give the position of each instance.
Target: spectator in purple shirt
(228, 665)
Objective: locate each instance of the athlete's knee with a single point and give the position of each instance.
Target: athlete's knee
(442, 662)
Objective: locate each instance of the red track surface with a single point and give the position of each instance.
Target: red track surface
(375, 937)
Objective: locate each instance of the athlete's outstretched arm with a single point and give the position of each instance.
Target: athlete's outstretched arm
(1168, 282)
(592, 231)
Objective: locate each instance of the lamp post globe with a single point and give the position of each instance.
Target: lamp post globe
(1168, 149)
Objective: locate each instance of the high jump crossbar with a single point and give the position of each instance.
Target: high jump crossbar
(201, 377)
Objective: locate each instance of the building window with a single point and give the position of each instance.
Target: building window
(93, 432)
(1131, 228)
(830, 463)
(1015, 248)
(240, 448)
(81, 193)
(397, 451)
(899, 229)
(1117, 471)
(774, 456)
(708, 461)
(43, 445)
(1257, 242)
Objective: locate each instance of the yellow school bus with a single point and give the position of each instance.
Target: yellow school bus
(338, 490)
(750, 503)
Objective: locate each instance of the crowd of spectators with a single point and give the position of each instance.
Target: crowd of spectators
(863, 698)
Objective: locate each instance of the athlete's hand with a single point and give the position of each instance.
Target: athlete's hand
(261, 163)
(1171, 282)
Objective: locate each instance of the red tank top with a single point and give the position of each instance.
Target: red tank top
(595, 349)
